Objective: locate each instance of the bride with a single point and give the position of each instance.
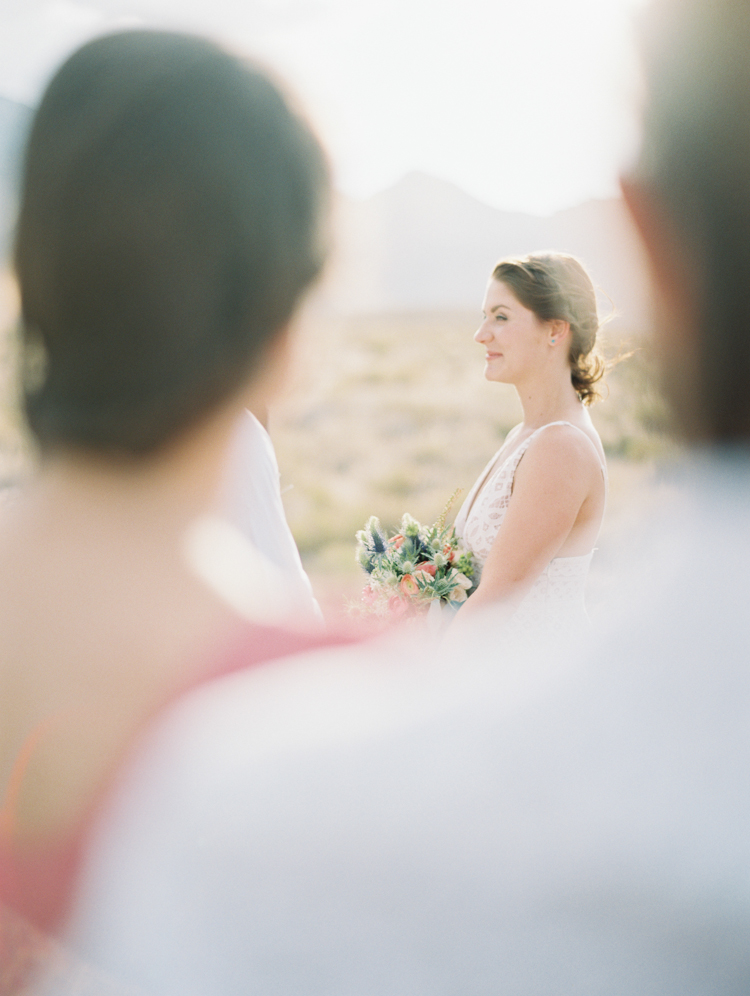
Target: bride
(533, 515)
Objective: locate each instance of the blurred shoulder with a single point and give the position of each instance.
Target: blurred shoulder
(321, 698)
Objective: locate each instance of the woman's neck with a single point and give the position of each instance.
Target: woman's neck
(548, 399)
(149, 499)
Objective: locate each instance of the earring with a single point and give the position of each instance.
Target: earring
(552, 341)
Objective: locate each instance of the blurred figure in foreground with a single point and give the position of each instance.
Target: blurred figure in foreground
(579, 824)
(172, 215)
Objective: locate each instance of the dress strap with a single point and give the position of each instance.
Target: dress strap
(508, 466)
(541, 428)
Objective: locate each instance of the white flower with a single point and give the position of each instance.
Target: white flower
(409, 525)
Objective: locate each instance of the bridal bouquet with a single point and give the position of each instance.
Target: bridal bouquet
(414, 568)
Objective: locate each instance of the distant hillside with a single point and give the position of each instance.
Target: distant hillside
(426, 244)
(14, 122)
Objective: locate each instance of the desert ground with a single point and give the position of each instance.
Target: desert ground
(390, 413)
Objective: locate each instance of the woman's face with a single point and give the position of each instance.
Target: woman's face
(515, 340)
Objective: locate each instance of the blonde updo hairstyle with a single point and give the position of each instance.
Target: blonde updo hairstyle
(556, 286)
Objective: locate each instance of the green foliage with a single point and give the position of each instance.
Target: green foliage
(415, 566)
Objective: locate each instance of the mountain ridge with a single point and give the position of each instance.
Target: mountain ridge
(426, 244)
(15, 119)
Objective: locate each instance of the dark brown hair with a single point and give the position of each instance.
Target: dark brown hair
(170, 220)
(555, 285)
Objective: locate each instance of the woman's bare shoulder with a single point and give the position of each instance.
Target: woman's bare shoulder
(562, 450)
(569, 438)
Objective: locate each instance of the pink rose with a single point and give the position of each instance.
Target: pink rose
(398, 541)
(408, 585)
(427, 568)
(397, 606)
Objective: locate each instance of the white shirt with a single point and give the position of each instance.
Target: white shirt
(253, 504)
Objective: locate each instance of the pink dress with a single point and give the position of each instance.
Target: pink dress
(37, 883)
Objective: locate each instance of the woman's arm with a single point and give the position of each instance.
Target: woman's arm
(554, 478)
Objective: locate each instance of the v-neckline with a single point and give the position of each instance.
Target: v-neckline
(492, 466)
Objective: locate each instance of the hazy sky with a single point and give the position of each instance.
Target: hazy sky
(527, 104)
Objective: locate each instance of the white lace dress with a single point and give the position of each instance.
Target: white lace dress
(555, 602)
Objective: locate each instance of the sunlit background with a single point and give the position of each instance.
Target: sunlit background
(527, 106)
(458, 132)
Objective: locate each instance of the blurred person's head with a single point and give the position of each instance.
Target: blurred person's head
(690, 197)
(556, 287)
(171, 217)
